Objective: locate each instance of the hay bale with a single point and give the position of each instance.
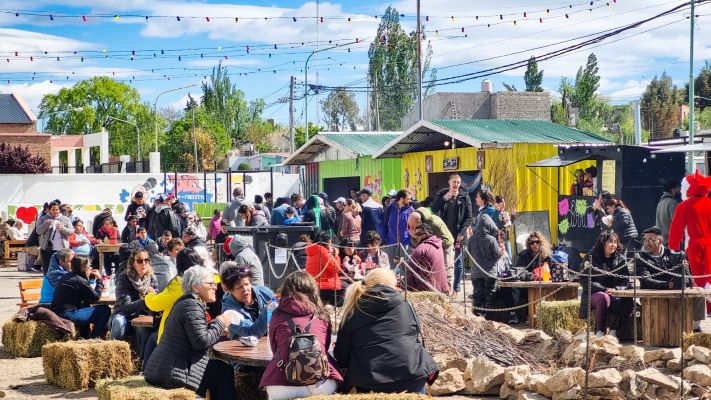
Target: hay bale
(371, 396)
(554, 315)
(136, 388)
(78, 365)
(25, 339)
(702, 339)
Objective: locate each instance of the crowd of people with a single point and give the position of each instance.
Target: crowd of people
(360, 256)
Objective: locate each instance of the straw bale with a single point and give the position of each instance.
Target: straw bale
(371, 396)
(554, 315)
(136, 388)
(702, 339)
(25, 339)
(78, 365)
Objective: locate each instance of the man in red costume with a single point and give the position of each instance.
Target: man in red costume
(694, 214)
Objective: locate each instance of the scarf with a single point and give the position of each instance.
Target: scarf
(143, 243)
(317, 213)
(140, 284)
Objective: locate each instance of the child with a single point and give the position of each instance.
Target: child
(291, 216)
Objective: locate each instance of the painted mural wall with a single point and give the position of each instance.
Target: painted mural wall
(538, 186)
(91, 193)
(380, 175)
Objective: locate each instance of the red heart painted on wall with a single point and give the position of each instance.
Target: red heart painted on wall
(26, 214)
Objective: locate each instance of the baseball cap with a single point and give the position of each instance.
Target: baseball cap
(323, 195)
(392, 193)
(340, 200)
(367, 191)
(170, 196)
(162, 197)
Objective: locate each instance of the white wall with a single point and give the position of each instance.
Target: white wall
(91, 193)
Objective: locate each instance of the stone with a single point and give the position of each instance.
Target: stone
(632, 353)
(674, 365)
(537, 383)
(628, 384)
(702, 354)
(659, 364)
(698, 374)
(514, 376)
(507, 392)
(609, 377)
(617, 361)
(670, 354)
(653, 355)
(442, 360)
(537, 336)
(449, 382)
(574, 354)
(515, 335)
(608, 344)
(526, 395)
(484, 374)
(607, 393)
(655, 377)
(569, 394)
(565, 379)
(689, 352)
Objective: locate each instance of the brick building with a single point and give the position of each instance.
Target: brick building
(18, 126)
(483, 105)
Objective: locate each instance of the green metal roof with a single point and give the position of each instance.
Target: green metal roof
(361, 143)
(517, 131)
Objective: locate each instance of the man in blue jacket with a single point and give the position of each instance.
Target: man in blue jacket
(372, 215)
(396, 215)
(59, 264)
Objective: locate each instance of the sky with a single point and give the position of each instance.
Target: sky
(159, 45)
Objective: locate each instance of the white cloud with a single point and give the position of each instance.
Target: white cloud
(32, 93)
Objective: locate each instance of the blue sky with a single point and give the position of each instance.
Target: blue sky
(626, 65)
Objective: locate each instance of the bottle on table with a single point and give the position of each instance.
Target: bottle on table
(271, 307)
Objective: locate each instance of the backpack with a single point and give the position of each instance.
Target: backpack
(170, 221)
(307, 362)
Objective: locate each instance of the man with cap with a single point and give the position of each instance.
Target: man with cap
(138, 208)
(340, 203)
(659, 267)
(372, 215)
(239, 248)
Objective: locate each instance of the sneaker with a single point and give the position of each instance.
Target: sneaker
(697, 330)
(513, 318)
(612, 333)
(599, 334)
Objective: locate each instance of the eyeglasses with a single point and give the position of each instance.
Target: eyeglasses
(210, 284)
(143, 260)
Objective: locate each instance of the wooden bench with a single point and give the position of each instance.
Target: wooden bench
(11, 248)
(29, 292)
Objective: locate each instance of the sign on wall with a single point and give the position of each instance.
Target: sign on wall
(451, 163)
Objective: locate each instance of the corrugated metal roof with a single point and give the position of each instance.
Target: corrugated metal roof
(517, 131)
(12, 112)
(361, 143)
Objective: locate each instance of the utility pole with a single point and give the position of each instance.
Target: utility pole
(367, 109)
(637, 124)
(195, 154)
(692, 24)
(291, 115)
(377, 109)
(419, 63)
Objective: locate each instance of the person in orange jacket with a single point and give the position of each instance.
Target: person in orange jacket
(324, 265)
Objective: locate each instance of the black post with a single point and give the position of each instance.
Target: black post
(244, 184)
(204, 185)
(271, 180)
(175, 184)
(214, 173)
(165, 177)
(229, 184)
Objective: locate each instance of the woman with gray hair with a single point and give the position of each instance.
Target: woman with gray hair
(181, 358)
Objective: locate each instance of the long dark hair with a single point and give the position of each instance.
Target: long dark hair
(302, 287)
(599, 249)
(345, 242)
(186, 258)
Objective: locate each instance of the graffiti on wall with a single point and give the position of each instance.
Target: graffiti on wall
(375, 183)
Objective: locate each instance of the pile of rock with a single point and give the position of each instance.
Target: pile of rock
(619, 372)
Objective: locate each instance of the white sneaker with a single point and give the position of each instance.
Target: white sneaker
(612, 333)
(599, 334)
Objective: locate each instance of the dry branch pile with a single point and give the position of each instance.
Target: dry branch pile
(447, 330)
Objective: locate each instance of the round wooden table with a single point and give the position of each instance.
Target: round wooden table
(234, 351)
(538, 290)
(661, 313)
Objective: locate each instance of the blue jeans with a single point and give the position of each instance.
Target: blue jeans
(458, 269)
(83, 317)
(120, 327)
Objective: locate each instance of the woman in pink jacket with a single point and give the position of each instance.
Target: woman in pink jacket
(300, 304)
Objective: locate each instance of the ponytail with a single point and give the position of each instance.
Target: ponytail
(353, 294)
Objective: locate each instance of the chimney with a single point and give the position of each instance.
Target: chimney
(487, 86)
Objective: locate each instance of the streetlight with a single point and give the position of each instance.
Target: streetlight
(138, 133)
(45, 116)
(155, 109)
(702, 97)
(306, 85)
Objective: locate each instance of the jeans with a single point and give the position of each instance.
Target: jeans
(326, 386)
(83, 317)
(458, 269)
(603, 304)
(151, 344)
(219, 379)
(120, 327)
(46, 256)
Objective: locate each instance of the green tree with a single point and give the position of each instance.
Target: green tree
(660, 107)
(558, 113)
(533, 78)
(340, 111)
(702, 87)
(587, 82)
(300, 137)
(225, 103)
(392, 71)
(212, 141)
(86, 106)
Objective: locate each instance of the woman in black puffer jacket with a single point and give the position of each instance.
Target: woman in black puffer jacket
(623, 224)
(132, 285)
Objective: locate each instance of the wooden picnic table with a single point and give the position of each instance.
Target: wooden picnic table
(541, 289)
(661, 313)
(142, 321)
(234, 351)
(107, 299)
(102, 248)
(11, 248)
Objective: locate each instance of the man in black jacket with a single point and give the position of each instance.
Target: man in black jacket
(138, 208)
(454, 206)
(163, 218)
(655, 259)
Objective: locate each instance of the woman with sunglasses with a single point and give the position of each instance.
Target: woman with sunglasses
(132, 286)
(248, 300)
(182, 357)
(536, 254)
